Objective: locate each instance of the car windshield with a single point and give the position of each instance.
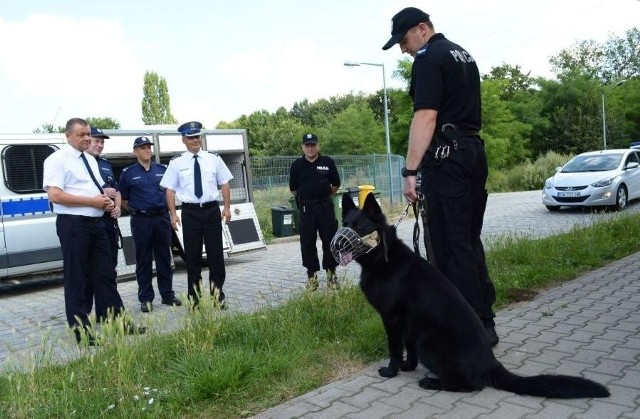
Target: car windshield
(594, 163)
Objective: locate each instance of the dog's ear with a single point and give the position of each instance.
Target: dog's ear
(371, 207)
(347, 205)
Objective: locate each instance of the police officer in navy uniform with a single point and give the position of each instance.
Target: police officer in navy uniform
(70, 180)
(313, 180)
(444, 141)
(194, 178)
(110, 187)
(150, 224)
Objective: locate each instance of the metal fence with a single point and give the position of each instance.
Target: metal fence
(380, 170)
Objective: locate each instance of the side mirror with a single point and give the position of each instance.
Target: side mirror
(632, 165)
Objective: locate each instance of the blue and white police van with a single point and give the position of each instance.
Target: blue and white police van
(29, 245)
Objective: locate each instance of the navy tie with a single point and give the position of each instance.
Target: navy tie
(197, 177)
(93, 178)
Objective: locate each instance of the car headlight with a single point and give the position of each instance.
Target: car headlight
(602, 183)
(548, 184)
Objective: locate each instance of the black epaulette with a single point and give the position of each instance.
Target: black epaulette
(176, 156)
(213, 152)
(103, 159)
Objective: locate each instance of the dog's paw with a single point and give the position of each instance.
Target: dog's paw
(388, 372)
(408, 365)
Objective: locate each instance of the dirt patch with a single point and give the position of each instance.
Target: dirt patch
(515, 295)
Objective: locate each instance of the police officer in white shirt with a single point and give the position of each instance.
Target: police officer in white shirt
(194, 177)
(70, 180)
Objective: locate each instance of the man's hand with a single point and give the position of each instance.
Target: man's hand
(116, 212)
(175, 221)
(409, 189)
(103, 202)
(226, 215)
(110, 192)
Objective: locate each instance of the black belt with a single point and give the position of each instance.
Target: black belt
(82, 217)
(203, 205)
(315, 201)
(148, 213)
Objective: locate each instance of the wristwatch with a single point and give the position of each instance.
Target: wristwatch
(407, 172)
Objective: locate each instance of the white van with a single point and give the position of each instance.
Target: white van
(29, 245)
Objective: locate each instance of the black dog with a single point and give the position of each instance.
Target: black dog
(422, 311)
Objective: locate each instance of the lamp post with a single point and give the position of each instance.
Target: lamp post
(386, 117)
(604, 118)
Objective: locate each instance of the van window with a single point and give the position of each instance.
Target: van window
(23, 166)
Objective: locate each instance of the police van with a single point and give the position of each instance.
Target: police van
(29, 245)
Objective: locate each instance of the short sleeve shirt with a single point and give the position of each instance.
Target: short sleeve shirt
(141, 187)
(313, 180)
(445, 77)
(64, 169)
(179, 176)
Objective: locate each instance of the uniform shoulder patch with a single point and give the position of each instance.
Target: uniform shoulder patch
(176, 156)
(213, 152)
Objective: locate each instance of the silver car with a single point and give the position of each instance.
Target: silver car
(597, 178)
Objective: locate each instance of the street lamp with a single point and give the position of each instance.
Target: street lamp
(386, 116)
(604, 118)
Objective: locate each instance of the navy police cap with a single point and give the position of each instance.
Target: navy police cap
(140, 141)
(97, 133)
(190, 129)
(309, 139)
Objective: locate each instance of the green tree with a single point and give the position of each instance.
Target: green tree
(354, 131)
(104, 123)
(47, 129)
(156, 105)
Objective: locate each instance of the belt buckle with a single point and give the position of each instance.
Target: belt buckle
(201, 204)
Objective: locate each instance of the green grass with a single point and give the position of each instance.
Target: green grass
(222, 364)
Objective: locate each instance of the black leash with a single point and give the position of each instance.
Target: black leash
(420, 206)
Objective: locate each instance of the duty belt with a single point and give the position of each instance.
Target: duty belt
(148, 213)
(315, 201)
(203, 205)
(449, 136)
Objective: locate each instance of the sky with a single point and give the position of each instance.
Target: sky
(223, 59)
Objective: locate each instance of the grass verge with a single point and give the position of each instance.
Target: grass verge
(235, 365)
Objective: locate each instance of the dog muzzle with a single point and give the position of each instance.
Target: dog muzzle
(347, 245)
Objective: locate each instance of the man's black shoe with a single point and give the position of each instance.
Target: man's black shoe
(493, 336)
(146, 307)
(175, 301)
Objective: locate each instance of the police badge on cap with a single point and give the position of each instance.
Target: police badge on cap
(309, 139)
(190, 129)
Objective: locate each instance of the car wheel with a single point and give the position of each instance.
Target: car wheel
(621, 198)
(553, 208)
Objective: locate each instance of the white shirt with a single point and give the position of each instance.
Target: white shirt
(179, 177)
(65, 169)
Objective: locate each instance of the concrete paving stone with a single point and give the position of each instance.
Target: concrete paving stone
(587, 356)
(533, 347)
(602, 345)
(462, 410)
(515, 357)
(551, 338)
(417, 410)
(515, 338)
(624, 354)
(337, 409)
(635, 414)
(631, 342)
(393, 385)
(582, 336)
(357, 384)
(568, 346)
(611, 367)
(533, 329)
(533, 367)
(622, 395)
(507, 410)
(600, 408)
(616, 335)
(329, 395)
(630, 378)
(488, 398)
(407, 397)
(364, 399)
(554, 410)
(609, 319)
(289, 410)
(551, 357)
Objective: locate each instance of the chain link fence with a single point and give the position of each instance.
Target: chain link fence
(270, 176)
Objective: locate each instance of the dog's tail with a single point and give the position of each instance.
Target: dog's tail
(552, 386)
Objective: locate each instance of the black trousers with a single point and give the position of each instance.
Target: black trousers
(87, 265)
(317, 219)
(454, 188)
(200, 224)
(152, 237)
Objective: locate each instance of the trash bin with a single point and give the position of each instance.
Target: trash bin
(282, 221)
(337, 205)
(296, 215)
(353, 193)
(364, 190)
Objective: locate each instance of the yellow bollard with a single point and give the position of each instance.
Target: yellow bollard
(364, 191)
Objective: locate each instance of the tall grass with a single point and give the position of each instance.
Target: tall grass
(527, 176)
(221, 364)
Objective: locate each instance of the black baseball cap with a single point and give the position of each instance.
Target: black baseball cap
(140, 141)
(97, 133)
(404, 20)
(309, 139)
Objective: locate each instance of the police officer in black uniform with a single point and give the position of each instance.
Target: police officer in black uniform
(444, 141)
(150, 224)
(313, 180)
